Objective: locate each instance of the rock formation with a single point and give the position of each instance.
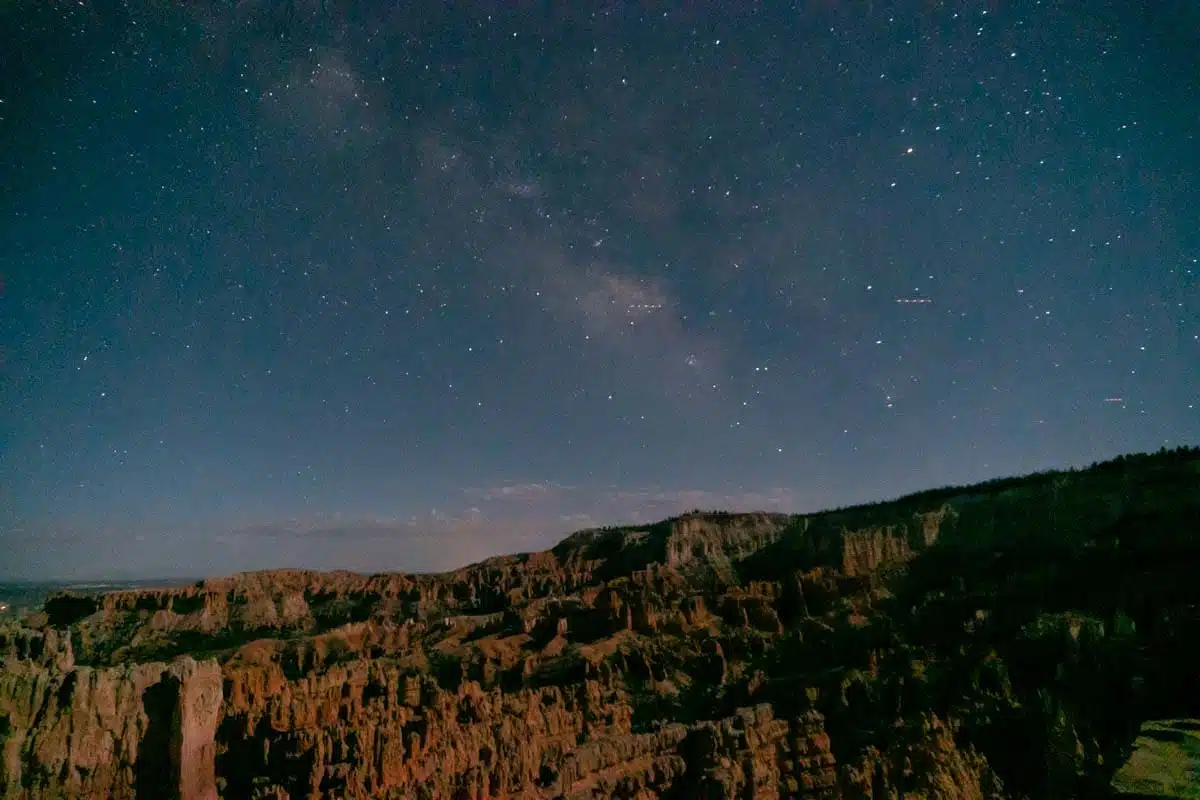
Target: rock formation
(982, 642)
(74, 731)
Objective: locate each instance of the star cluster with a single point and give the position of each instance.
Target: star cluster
(398, 286)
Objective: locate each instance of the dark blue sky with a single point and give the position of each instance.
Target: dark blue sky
(400, 286)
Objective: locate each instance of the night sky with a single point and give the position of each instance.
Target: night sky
(393, 286)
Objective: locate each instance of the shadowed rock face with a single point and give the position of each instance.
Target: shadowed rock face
(1005, 640)
(70, 731)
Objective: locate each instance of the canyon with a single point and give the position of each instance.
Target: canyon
(1009, 639)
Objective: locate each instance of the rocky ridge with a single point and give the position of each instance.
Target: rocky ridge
(882, 651)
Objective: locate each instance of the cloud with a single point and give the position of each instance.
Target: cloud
(650, 504)
(333, 525)
(579, 521)
(775, 499)
(525, 492)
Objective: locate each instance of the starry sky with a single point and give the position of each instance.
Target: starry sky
(399, 286)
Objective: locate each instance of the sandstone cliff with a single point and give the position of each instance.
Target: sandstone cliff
(69, 731)
(896, 650)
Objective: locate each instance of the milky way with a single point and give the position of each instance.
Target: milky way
(303, 284)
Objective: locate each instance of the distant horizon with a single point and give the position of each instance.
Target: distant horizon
(97, 582)
(189, 578)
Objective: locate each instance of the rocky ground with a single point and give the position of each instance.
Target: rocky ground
(1003, 640)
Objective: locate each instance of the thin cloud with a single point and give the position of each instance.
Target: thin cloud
(437, 541)
(579, 520)
(440, 539)
(525, 492)
(676, 500)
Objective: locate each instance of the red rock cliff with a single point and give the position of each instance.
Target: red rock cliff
(713, 656)
(72, 731)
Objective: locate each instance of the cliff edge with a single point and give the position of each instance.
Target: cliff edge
(1001, 640)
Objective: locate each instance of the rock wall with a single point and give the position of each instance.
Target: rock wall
(78, 732)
